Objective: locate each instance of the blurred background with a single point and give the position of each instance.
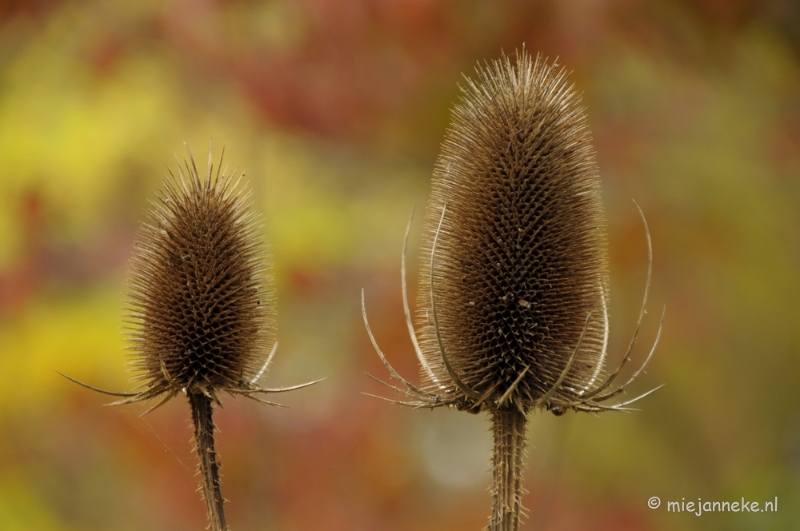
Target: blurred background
(335, 110)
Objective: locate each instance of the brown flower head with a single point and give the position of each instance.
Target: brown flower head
(520, 260)
(202, 303)
(513, 299)
(201, 307)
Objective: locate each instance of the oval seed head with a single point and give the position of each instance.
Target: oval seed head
(520, 259)
(202, 305)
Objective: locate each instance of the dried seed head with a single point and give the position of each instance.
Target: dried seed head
(202, 305)
(520, 258)
(514, 287)
(202, 308)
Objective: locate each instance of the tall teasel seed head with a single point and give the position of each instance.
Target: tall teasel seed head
(513, 299)
(521, 256)
(202, 301)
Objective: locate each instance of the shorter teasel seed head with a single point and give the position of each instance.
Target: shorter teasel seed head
(201, 307)
(201, 301)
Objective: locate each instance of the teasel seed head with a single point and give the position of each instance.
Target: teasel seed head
(521, 254)
(513, 298)
(201, 307)
(202, 301)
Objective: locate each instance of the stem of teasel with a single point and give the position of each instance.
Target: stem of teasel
(508, 427)
(209, 466)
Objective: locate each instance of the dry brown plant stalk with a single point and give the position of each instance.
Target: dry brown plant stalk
(513, 299)
(202, 309)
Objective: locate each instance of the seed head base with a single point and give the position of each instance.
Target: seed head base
(440, 395)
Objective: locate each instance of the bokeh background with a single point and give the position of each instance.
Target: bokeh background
(335, 110)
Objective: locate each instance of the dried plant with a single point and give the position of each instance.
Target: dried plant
(513, 299)
(201, 307)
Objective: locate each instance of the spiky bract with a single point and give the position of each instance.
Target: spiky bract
(520, 259)
(202, 306)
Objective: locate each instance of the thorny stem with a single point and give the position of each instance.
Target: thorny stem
(209, 466)
(508, 426)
